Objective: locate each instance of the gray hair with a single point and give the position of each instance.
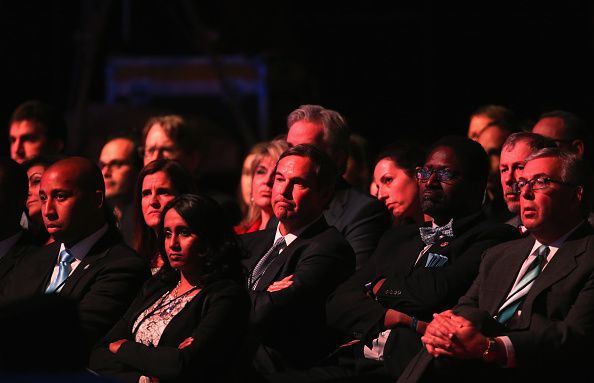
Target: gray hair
(336, 130)
(574, 170)
(533, 140)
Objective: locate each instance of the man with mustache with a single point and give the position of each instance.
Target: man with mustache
(296, 264)
(387, 304)
(516, 148)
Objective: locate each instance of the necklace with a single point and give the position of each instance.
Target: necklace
(175, 300)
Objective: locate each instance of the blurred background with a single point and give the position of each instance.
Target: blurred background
(394, 69)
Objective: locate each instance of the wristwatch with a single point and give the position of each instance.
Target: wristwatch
(489, 355)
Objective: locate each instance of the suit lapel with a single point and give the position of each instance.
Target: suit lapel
(97, 252)
(272, 272)
(41, 270)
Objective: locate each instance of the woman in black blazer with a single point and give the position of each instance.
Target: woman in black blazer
(190, 320)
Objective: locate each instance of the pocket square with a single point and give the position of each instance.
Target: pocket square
(436, 260)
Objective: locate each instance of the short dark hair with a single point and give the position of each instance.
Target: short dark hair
(472, 156)
(220, 250)
(407, 155)
(504, 116)
(136, 155)
(45, 115)
(575, 127)
(14, 188)
(186, 133)
(324, 168)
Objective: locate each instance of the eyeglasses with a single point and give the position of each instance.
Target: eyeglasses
(539, 183)
(113, 164)
(442, 175)
(164, 151)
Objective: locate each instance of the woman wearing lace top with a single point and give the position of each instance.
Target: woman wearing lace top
(190, 320)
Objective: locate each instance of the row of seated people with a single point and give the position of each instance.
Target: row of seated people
(298, 314)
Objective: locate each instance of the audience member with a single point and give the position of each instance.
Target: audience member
(417, 271)
(173, 137)
(491, 139)
(14, 242)
(36, 129)
(528, 315)
(158, 183)
(567, 130)
(88, 262)
(245, 181)
(395, 178)
(32, 221)
(263, 164)
(190, 320)
(360, 218)
(488, 114)
(516, 148)
(295, 265)
(120, 163)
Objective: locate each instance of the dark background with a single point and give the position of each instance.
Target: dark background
(395, 69)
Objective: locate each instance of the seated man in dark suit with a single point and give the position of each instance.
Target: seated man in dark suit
(290, 282)
(14, 242)
(360, 218)
(416, 270)
(529, 315)
(88, 262)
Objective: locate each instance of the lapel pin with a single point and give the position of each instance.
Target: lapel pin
(87, 266)
(444, 244)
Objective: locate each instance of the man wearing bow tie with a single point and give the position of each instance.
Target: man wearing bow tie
(414, 271)
(529, 313)
(88, 262)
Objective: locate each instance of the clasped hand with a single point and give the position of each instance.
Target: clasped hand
(451, 335)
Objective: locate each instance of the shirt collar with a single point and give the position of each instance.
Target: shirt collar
(82, 247)
(290, 237)
(556, 244)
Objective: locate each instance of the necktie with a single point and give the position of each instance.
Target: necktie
(265, 261)
(431, 234)
(66, 258)
(517, 295)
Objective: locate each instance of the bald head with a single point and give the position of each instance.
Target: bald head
(72, 195)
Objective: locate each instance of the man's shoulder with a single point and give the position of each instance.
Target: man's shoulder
(484, 228)
(352, 198)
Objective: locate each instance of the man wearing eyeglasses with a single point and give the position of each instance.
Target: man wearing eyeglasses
(120, 163)
(415, 271)
(528, 316)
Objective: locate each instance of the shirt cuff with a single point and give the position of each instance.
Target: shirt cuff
(510, 353)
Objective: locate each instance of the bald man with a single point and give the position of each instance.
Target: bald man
(88, 262)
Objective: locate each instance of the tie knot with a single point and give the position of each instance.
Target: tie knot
(66, 256)
(543, 251)
(279, 243)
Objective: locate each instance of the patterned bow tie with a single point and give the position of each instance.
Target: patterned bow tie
(431, 234)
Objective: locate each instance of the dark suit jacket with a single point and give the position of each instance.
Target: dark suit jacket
(360, 218)
(553, 337)
(15, 253)
(290, 323)
(103, 284)
(415, 290)
(217, 318)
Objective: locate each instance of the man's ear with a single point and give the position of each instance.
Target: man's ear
(578, 147)
(99, 198)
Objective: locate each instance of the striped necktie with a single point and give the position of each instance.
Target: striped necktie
(518, 293)
(265, 261)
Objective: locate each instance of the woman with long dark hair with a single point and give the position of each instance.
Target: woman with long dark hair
(190, 320)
